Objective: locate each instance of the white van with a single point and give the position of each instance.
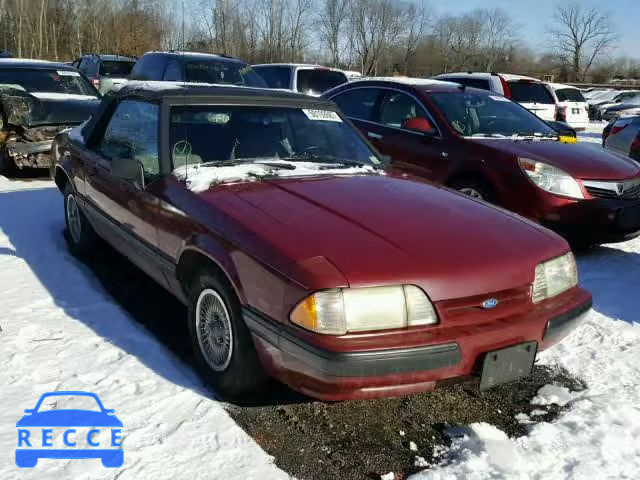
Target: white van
(529, 92)
(571, 106)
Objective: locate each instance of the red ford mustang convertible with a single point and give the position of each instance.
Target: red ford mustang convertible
(299, 257)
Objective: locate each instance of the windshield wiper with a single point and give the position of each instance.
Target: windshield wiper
(254, 161)
(331, 161)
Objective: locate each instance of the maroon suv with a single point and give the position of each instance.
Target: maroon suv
(266, 213)
(489, 147)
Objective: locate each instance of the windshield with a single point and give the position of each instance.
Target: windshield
(116, 68)
(475, 114)
(319, 80)
(569, 95)
(264, 133)
(220, 71)
(47, 81)
(530, 92)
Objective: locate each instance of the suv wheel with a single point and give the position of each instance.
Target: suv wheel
(220, 339)
(80, 236)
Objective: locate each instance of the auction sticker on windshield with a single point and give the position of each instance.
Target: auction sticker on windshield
(67, 73)
(326, 115)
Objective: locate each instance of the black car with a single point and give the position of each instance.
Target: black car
(105, 71)
(37, 100)
(193, 67)
(622, 135)
(632, 106)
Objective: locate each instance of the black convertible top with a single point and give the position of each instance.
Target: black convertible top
(155, 90)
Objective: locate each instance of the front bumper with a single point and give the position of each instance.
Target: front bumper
(340, 375)
(595, 221)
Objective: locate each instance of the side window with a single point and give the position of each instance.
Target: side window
(149, 67)
(275, 77)
(472, 82)
(173, 72)
(132, 133)
(359, 103)
(398, 107)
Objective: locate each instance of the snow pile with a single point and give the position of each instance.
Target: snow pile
(599, 435)
(200, 178)
(60, 331)
(593, 133)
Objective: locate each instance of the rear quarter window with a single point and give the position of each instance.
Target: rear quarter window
(569, 95)
(115, 68)
(530, 92)
(319, 80)
(275, 77)
(359, 103)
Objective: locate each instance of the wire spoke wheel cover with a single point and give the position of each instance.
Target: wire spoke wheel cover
(73, 219)
(213, 330)
(472, 192)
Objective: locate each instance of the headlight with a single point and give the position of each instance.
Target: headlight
(337, 312)
(551, 179)
(554, 277)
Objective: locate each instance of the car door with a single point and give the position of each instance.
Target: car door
(412, 151)
(123, 210)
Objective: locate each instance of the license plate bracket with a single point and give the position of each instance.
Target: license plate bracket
(507, 364)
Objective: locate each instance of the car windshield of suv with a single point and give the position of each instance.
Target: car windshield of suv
(47, 81)
(319, 80)
(283, 138)
(530, 92)
(116, 68)
(480, 115)
(220, 71)
(569, 95)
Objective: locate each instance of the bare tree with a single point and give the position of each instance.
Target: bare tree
(581, 36)
(332, 16)
(415, 17)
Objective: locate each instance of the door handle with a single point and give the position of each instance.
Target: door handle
(374, 135)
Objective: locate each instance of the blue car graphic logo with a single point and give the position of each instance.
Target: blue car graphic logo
(36, 431)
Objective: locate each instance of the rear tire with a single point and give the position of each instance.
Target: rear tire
(475, 188)
(221, 342)
(81, 238)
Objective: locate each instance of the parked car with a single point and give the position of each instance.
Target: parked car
(491, 148)
(571, 106)
(263, 210)
(598, 105)
(192, 67)
(622, 135)
(37, 100)
(105, 71)
(303, 78)
(529, 92)
(630, 106)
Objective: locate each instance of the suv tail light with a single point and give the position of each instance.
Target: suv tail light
(561, 114)
(617, 128)
(505, 87)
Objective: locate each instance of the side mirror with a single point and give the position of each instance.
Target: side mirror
(128, 169)
(419, 124)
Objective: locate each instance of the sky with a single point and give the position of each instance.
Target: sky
(535, 17)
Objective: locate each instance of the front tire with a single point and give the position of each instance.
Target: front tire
(477, 189)
(81, 238)
(221, 341)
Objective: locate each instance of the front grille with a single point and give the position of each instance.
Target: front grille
(626, 190)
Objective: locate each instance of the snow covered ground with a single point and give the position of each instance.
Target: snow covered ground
(593, 133)
(60, 331)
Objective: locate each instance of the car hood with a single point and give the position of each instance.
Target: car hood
(41, 108)
(588, 162)
(378, 230)
(69, 418)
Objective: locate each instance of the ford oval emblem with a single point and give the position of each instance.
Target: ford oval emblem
(490, 303)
